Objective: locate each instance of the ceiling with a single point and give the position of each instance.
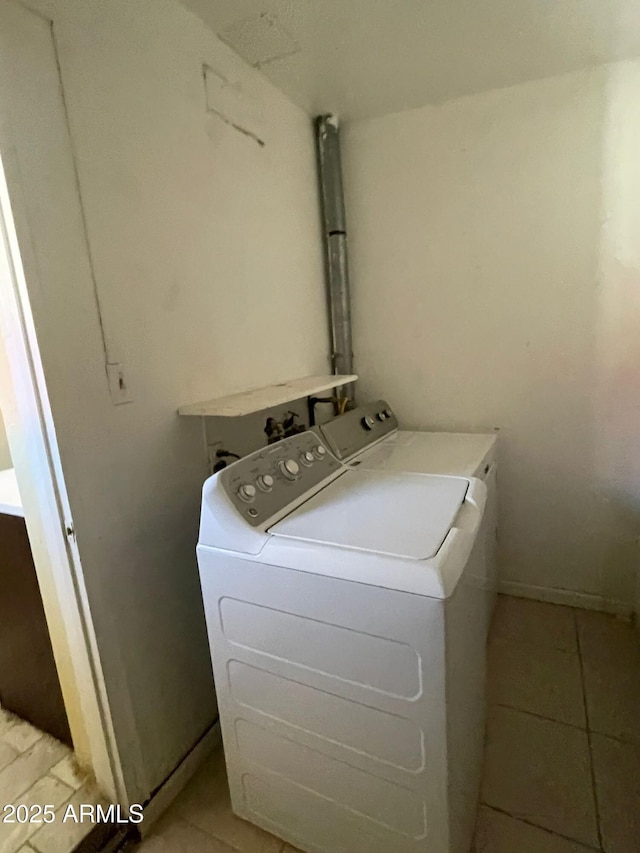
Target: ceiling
(361, 58)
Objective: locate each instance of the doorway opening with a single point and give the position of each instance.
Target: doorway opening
(29, 683)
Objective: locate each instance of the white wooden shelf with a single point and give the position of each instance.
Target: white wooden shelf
(247, 402)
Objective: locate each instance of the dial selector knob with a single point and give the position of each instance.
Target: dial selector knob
(247, 492)
(290, 468)
(265, 481)
(368, 422)
(381, 416)
(307, 458)
(388, 413)
(320, 451)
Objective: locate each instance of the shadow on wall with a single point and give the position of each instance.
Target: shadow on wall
(5, 455)
(502, 300)
(618, 391)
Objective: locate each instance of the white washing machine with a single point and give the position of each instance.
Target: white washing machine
(369, 437)
(347, 641)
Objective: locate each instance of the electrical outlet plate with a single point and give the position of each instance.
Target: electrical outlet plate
(118, 386)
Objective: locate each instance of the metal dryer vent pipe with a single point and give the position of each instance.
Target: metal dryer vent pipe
(335, 240)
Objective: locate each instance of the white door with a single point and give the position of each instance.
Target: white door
(42, 245)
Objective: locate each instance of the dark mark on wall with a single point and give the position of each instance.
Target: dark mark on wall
(207, 69)
(262, 62)
(237, 127)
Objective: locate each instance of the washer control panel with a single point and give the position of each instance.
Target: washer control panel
(354, 431)
(262, 484)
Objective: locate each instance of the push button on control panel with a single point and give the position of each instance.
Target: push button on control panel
(289, 468)
(247, 492)
(265, 482)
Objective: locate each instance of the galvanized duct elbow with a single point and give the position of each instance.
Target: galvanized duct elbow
(335, 239)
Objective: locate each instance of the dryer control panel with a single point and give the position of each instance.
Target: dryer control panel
(356, 430)
(262, 484)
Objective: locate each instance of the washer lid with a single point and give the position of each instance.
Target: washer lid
(456, 454)
(402, 515)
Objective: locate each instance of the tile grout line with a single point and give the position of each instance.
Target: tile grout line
(543, 828)
(616, 738)
(589, 742)
(222, 840)
(14, 721)
(212, 835)
(24, 751)
(538, 716)
(27, 845)
(22, 793)
(13, 760)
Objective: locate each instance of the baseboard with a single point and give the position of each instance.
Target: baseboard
(178, 780)
(568, 597)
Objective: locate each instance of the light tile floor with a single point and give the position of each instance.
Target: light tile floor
(37, 770)
(562, 764)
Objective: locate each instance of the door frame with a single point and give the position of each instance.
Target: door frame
(34, 450)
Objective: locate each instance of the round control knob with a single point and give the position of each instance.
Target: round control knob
(388, 413)
(320, 451)
(247, 492)
(265, 481)
(290, 468)
(381, 416)
(307, 458)
(368, 422)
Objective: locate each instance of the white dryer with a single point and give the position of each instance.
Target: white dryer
(347, 641)
(369, 437)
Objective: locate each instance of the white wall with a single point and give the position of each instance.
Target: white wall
(208, 265)
(481, 300)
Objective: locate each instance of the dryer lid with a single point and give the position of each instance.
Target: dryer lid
(401, 515)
